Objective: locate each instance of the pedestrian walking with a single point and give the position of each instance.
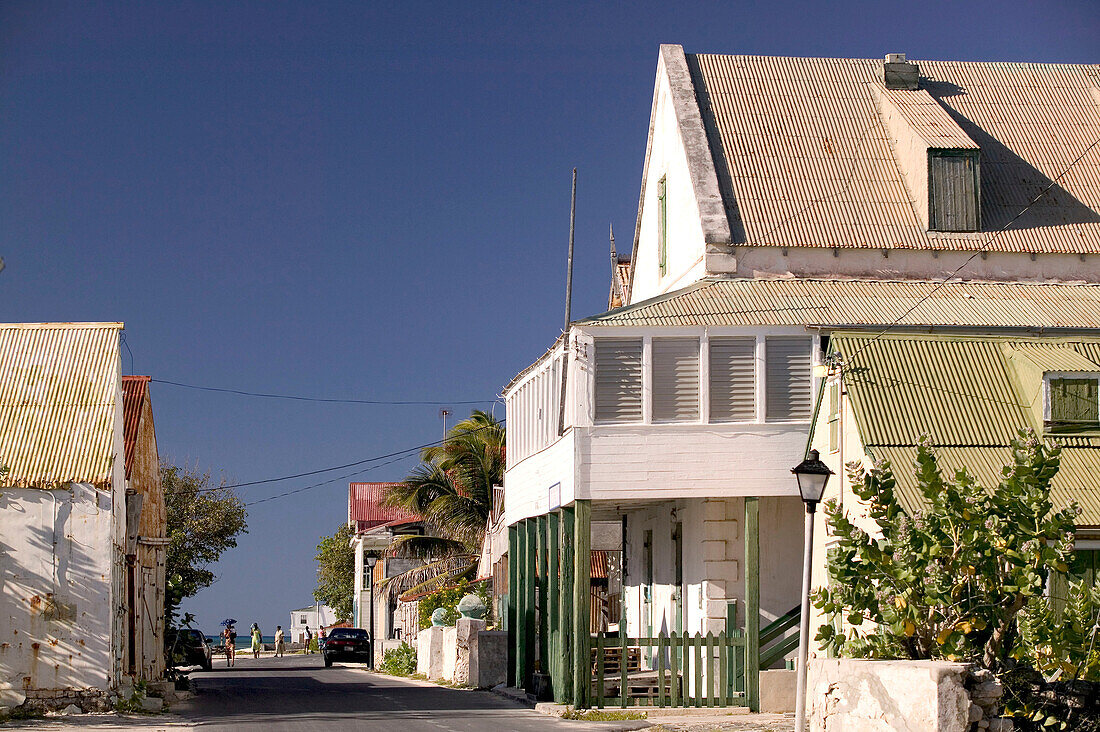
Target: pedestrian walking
(230, 637)
(257, 640)
(309, 640)
(279, 644)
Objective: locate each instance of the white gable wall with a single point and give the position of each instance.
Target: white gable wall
(686, 247)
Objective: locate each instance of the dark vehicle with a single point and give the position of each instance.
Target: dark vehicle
(188, 647)
(346, 644)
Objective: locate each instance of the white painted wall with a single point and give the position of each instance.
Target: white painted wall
(60, 597)
(685, 258)
(314, 617)
(541, 482)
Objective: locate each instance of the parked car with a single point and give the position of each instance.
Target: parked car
(189, 647)
(346, 644)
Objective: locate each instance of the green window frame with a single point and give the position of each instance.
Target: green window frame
(1072, 402)
(662, 226)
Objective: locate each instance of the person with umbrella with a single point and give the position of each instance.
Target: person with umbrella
(230, 636)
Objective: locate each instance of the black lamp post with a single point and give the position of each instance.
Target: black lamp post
(370, 560)
(813, 476)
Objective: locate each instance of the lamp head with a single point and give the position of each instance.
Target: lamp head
(370, 560)
(813, 476)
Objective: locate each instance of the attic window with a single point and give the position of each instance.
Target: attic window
(1072, 402)
(953, 190)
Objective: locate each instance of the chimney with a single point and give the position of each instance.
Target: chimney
(897, 73)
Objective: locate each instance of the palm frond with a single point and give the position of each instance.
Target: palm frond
(425, 548)
(447, 567)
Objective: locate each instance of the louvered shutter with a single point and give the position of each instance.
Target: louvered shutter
(618, 380)
(675, 380)
(732, 379)
(788, 377)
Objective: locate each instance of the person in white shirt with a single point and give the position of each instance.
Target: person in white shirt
(279, 645)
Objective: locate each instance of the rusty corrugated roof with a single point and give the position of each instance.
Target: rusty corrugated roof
(59, 390)
(965, 393)
(134, 391)
(853, 302)
(804, 160)
(367, 508)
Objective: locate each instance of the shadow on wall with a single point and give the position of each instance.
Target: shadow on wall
(56, 556)
(1009, 183)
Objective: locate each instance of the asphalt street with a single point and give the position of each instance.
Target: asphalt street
(298, 694)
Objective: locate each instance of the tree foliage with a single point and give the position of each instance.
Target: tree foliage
(448, 599)
(204, 521)
(336, 572)
(452, 489)
(963, 579)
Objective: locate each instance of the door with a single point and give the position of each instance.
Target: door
(647, 584)
(678, 584)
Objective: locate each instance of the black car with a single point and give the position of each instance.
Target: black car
(346, 644)
(188, 647)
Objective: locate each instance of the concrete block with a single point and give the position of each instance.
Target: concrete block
(719, 529)
(491, 668)
(429, 652)
(450, 655)
(714, 589)
(728, 570)
(466, 661)
(777, 691)
(714, 509)
(717, 608)
(714, 550)
(152, 704)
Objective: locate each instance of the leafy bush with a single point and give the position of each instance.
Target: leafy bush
(400, 661)
(447, 598)
(954, 581)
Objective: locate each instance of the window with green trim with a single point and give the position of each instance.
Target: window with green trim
(662, 226)
(1072, 402)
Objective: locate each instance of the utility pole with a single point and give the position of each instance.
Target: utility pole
(569, 270)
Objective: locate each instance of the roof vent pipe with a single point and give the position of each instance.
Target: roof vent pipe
(897, 73)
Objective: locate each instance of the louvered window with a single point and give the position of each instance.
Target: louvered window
(732, 379)
(1073, 402)
(618, 380)
(953, 190)
(788, 379)
(675, 380)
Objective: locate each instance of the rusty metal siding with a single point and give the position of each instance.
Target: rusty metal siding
(366, 506)
(850, 302)
(806, 162)
(59, 386)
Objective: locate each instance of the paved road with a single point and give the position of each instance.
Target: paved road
(298, 694)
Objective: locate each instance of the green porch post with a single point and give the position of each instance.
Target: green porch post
(512, 600)
(529, 584)
(565, 616)
(553, 600)
(582, 592)
(752, 603)
(520, 628)
(543, 624)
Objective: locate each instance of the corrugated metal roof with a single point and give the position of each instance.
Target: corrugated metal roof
(59, 387)
(366, 506)
(134, 391)
(852, 302)
(804, 160)
(963, 392)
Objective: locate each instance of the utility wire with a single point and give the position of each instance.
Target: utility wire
(412, 402)
(984, 248)
(323, 483)
(398, 455)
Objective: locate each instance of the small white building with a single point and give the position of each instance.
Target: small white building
(62, 513)
(313, 617)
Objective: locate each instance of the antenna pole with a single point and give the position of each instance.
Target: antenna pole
(569, 270)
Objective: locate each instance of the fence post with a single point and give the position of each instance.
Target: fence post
(752, 603)
(624, 663)
(723, 673)
(541, 605)
(553, 603)
(528, 571)
(513, 599)
(660, 670)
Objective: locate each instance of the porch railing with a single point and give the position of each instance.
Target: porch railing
(774, 643)
(684, 670)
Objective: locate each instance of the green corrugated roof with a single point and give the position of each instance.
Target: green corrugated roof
(972, 395)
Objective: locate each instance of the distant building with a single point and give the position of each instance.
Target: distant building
(314, 617)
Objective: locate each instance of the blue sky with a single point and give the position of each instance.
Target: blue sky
(362, 200)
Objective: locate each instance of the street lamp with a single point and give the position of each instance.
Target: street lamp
(370, 560)
(812, 475)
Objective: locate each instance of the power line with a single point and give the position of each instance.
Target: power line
(981, 250)
(294, 397)
(398, 455)
(323, 483)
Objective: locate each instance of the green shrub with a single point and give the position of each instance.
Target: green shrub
(448, 597)
(400, 661)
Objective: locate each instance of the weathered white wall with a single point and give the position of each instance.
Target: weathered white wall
(59, 588)
(541, 482)
(685, 249)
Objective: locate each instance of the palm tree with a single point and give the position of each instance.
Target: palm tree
(452, 489)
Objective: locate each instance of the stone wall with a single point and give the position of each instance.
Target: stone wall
(907, 696)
